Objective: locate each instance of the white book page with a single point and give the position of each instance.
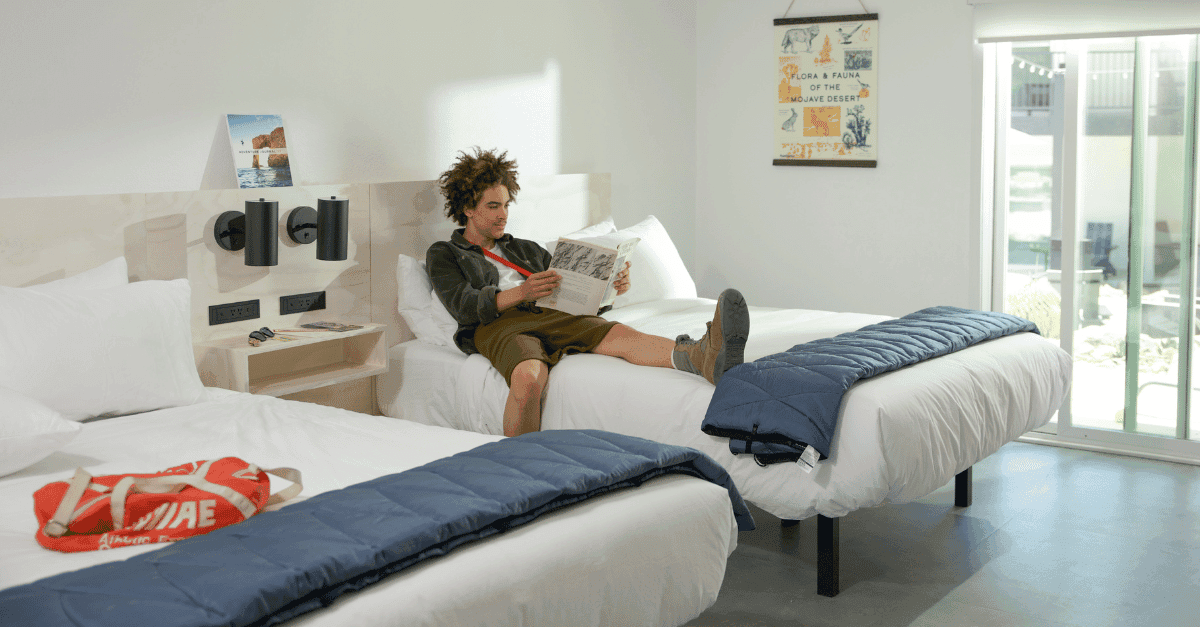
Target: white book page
(624, 251)
(587, 272)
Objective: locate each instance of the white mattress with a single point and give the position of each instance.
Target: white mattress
(419, 386)
(900, 435)
(654, 554)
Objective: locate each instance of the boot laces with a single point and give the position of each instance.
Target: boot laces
(686, 340)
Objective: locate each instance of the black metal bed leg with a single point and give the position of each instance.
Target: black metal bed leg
(962, 488)
(828, 543)
(829, 538)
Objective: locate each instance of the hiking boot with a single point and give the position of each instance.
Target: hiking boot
(722, 346)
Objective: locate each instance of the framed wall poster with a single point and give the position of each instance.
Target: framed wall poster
(825, 108)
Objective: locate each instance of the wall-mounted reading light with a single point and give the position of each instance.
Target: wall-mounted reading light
(256, 230)
(327, 224)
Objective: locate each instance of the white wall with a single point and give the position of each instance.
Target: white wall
(887, 240)
(130, 95)
(672, 97)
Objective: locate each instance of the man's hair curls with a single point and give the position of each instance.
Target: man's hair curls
(464, 183)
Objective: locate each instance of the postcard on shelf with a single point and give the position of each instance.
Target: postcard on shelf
(588, 271)
(260, 156)
(331, 326)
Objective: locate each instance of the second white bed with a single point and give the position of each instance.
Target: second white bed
(900, 435)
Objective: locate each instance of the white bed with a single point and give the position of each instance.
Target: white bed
(654, 554)
(649, 555)
(900, 435)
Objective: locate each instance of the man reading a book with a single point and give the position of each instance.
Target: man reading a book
(490, 280)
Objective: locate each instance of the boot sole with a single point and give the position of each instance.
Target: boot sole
(735, 329)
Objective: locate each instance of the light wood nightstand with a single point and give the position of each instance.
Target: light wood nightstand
(277, 368)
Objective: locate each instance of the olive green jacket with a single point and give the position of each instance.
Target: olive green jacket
(467, 282)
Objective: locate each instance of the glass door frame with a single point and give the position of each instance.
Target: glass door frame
(999, 57)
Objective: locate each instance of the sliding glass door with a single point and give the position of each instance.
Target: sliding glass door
(1096, 215)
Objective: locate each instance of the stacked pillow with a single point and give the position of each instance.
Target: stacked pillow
(595, 230)
(421, 309)
(656, 268)
(114, 273)
(29, 431)
(87, 346)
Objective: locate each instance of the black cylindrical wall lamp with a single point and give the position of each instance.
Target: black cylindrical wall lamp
(332, 224)
(262, 232)
(328, 224)
(256, 230)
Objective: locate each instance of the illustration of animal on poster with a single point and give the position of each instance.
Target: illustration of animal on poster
(825, 107)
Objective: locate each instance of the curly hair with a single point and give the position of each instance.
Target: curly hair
(464, 183)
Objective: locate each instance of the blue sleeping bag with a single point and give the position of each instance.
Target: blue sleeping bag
(281, 564)
(776, 406)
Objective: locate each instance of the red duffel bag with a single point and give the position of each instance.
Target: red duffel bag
(90, 513)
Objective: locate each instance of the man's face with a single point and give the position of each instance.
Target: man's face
(489, 217)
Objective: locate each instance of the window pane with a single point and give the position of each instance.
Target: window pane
(1032, 216)
(1166, 213)
(1103, 209)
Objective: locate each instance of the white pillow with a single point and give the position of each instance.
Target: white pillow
(420, 307)
(600, 228)
(113, 273)
(656, 268)
(112, 351)
(29, 431)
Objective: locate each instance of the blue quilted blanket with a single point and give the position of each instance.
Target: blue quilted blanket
(776, 406)
(280, 564)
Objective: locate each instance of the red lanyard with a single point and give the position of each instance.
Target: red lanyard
(506, 262)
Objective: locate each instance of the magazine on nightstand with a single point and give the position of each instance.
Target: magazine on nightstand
(588, 271)
(331, 326)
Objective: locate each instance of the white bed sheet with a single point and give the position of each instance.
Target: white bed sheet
(419, 386)
(900, 436)
(654, 554)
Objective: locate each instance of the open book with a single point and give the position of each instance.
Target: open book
(588, 271)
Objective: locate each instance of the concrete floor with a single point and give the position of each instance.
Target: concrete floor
(1054, 537)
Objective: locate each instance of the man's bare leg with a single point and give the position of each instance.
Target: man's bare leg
(526, 392)
(636, 347)
(721, 347)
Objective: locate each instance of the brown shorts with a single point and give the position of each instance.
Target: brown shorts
(518, 335)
